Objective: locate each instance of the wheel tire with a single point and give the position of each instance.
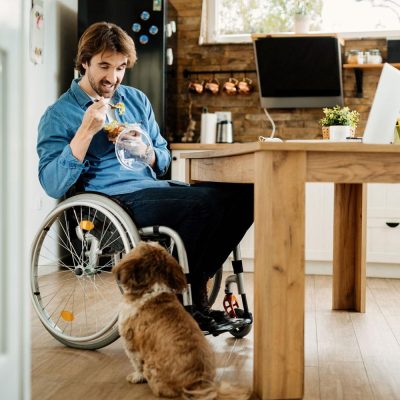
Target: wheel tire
(110, 337)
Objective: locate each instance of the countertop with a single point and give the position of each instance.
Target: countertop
(202, 146)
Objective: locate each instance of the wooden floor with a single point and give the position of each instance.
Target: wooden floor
(348, 355)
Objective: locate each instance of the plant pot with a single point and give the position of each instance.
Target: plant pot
(302, 23)
(326, 130)
(339, 133)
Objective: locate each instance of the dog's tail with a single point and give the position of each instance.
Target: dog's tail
(213, 391)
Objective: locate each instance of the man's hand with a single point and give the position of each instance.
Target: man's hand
(92, 122)
(94, 117)
(132, 142)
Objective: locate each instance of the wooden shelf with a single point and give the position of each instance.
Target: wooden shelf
(368, 66)
(358, 73)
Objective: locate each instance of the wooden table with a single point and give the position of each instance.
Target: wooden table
(279, 172)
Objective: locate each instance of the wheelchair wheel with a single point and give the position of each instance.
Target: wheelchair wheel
(73, 290)
(213, 286)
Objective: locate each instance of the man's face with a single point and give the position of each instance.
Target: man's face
(104, 73)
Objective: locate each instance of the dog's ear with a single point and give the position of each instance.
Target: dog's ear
(123, 270)
(174, 275)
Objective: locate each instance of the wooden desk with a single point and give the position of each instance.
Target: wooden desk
(279, 172)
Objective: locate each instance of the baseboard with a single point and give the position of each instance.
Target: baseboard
(374, 270)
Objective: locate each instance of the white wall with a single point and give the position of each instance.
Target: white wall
(12, 279)
(44, 83)
(26, 91)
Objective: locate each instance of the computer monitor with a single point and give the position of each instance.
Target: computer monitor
(299, 71)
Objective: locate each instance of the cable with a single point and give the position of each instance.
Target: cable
(263, 138)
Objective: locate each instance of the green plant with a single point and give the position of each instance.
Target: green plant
(340, 116)
(302, 7)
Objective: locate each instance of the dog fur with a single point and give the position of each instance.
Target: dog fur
(163, 342)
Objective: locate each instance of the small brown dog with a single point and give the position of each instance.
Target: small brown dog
(163, 342)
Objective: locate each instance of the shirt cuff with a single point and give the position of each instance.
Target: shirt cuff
(68, 160)
(162, 162)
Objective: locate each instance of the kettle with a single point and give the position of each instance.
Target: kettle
(224, 132)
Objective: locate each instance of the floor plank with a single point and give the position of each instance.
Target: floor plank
(344, 380)
(311, 383)
(336, 338)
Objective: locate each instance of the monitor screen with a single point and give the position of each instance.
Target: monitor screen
(299, 71)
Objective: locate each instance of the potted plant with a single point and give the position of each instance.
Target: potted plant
(302, 17)
(339, 123)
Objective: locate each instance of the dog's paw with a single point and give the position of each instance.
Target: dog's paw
(136, 377)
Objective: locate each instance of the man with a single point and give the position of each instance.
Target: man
(73, 148)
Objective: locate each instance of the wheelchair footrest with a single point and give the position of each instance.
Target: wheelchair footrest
(233, 324)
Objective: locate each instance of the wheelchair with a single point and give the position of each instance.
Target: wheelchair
(73, 289)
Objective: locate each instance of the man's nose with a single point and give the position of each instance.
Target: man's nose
(111, 76)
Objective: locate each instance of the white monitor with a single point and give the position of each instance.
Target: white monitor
(385, 108)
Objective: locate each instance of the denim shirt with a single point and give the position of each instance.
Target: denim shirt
(100, 171)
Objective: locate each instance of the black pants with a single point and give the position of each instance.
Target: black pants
(210, 218)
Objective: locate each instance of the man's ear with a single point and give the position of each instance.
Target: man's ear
(85, 65)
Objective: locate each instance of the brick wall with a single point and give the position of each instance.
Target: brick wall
(248, 118)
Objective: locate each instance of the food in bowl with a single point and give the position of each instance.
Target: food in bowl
(113, 129)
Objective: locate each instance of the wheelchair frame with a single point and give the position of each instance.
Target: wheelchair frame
(92, 227)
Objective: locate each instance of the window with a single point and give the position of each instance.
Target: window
(236, 20)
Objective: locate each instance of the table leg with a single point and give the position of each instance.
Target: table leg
(349, 247)
(279, 274)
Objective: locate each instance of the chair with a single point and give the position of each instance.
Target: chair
(73, 290)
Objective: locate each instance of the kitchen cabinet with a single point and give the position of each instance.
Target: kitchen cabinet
(383, 224)
(383, 240)
(383, 221)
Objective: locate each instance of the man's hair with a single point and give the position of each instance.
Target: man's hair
(101, 37)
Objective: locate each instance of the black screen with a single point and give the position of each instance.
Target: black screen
(298, 66)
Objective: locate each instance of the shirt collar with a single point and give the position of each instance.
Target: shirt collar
(84, 99)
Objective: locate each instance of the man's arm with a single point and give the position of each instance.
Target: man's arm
(60, 157)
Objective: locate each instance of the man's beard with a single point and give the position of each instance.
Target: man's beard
(97, 86)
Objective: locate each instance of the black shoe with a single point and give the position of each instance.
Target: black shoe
(206, 323)
(219, 316)
(200, 300)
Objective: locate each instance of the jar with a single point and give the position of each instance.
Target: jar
(355, 57)
(367, 57)
(374, 56)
